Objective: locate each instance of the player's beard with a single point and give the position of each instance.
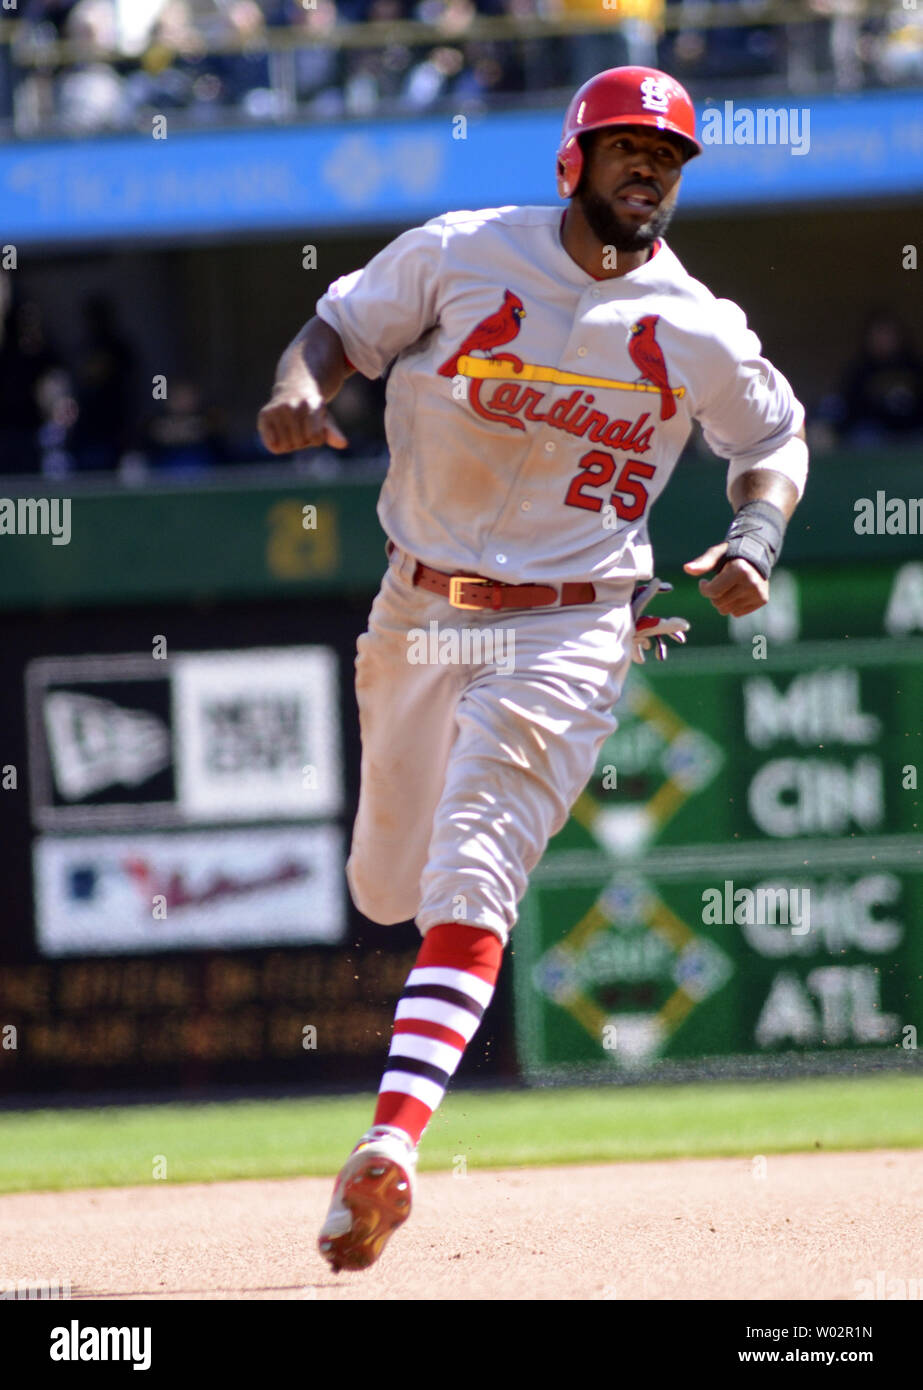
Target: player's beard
(606, 225)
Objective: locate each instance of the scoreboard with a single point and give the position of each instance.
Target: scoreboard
(743, 877)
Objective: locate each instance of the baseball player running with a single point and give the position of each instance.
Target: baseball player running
(546, 368)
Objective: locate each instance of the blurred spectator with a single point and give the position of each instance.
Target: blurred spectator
(804, 47)
(90, 94)
(104, 381)
(881, 396)
(844, 29)
(53, 13)
(537, 64)
(244, 76)
(900, 50)
(642, 25)
(739, 50)
(433, 78)
(59, 413)
(453, 17)
(170, 63)
(488, 67)
(26, 361)
(483, 76)
(7, 83)
(841, 43)
(375, 77)
(590, 53)
(135, 20)
(317, 69)
(182, 436)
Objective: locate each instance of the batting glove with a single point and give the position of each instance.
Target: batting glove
(651, 629)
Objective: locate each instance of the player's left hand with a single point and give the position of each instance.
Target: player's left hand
(653, 629)
(737, 588)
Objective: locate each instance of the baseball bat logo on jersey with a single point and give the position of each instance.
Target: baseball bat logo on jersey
(490, 333)
(512, 404)
(645, 351)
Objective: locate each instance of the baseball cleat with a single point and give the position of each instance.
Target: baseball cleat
(373, 1195)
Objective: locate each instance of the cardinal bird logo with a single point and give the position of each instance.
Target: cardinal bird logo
(490, 333)
(644, 351)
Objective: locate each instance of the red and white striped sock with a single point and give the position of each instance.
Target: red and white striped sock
(438, 1014)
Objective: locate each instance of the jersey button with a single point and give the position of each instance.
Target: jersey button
(526, 506)
(581, 352)
(501, 559)
(549, 447)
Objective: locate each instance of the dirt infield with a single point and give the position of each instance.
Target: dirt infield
(796, 1226)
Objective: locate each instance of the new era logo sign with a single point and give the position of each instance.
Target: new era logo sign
(95, 743)
(655, 95)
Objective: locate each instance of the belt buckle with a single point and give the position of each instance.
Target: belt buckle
(455, 583)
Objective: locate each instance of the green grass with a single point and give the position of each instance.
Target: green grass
(56, 1149)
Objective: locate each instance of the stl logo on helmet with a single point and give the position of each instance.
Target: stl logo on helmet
(655, 96)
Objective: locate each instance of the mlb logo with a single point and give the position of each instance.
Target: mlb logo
(655, 96)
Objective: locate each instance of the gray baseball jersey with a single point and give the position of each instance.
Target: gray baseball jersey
(535, 413)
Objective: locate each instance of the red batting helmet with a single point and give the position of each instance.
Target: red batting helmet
(624, 96)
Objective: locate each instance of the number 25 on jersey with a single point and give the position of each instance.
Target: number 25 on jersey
(597, 468)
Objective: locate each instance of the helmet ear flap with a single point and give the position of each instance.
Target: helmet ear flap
(570, 164)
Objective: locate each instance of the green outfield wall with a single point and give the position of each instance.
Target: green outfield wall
(257, 536)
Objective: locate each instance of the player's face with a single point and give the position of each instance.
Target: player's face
(630, 185)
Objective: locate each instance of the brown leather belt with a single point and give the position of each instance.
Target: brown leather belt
(472, 591)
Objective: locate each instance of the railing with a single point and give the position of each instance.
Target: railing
(416, 33)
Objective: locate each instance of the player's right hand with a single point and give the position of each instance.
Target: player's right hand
(290, 422)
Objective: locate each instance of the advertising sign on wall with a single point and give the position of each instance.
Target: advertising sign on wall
(197, 738)
(743, 875)
(160, 891)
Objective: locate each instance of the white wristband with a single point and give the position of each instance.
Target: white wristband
(791, 460)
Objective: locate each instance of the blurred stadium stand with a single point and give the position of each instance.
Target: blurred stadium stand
(86, 65)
